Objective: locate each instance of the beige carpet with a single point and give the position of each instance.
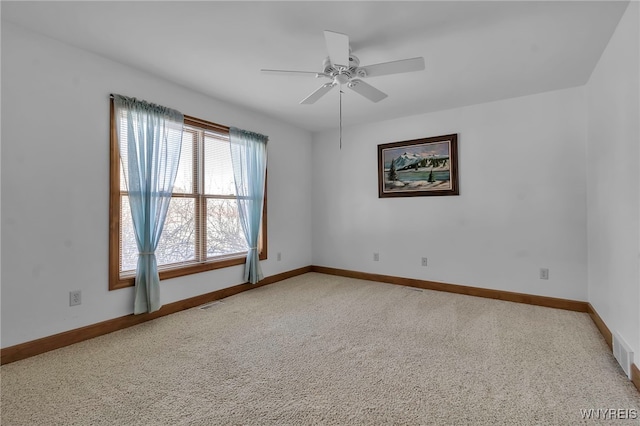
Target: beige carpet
(319, 349)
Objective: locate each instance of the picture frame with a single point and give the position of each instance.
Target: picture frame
(419, 167)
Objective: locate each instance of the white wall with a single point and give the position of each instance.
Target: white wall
(613, 181)
(522, 202)
(55, 185)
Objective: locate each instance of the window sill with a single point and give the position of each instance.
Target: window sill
(187, 269)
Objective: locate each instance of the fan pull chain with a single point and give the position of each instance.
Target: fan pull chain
(341, 119)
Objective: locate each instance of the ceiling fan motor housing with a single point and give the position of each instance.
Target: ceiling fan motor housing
(345, 73)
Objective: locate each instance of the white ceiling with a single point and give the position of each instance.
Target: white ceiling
(475, 51)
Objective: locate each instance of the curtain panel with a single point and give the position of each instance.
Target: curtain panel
(149, 139)
(249, 160)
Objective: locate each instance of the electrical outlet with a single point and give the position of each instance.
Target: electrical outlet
(279, 256)
(376, 257)
(544, 273)
(424, 261)
(75, 298)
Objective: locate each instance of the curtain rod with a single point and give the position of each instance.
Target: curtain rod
(200, 122)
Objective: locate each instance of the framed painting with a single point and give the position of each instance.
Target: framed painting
(420, 167)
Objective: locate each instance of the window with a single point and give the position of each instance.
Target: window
(202, 229)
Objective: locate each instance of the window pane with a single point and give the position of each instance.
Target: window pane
(128, 246)
(218, 172)
(177, 243)
(224, 232)
(184, 177)
(122, 148)
(178, 240)
(123, 183)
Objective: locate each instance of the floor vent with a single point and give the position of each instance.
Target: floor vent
(622, 352)
(210, 305)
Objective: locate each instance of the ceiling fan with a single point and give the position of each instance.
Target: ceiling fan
(343, 68)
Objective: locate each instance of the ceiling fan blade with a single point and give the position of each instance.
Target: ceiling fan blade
(320, 92)
(394, 67)
(366, 90)
(318, 74)
(338, 48)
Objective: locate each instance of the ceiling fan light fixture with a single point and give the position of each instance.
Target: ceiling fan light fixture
(341, 79)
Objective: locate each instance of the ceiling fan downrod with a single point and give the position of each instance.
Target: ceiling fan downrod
(340, 119)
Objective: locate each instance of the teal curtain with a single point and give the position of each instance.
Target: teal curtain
(150, 139)
(249, 159)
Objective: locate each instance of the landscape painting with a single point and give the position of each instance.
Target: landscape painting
(420, 167)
